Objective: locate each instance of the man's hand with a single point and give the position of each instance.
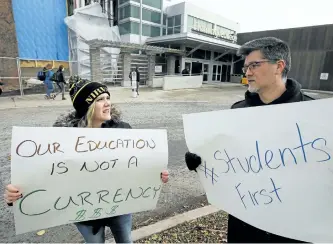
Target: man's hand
(192, 161)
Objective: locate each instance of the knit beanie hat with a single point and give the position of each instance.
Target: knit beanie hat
(83, 93)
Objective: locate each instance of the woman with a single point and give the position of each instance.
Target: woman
(48, 83)
(92, 113)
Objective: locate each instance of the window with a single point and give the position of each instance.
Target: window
(164, 31)
(174, 24)
(148, 30)
(129, 28)
(176, 30)
(129, 11)
(124, 1)
(70, 7)
(164, 19)
(170, 22)
(153, 3)
(199, 54)
(178, 20)
(151, 16)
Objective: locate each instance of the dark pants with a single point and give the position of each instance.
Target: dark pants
(61, 88)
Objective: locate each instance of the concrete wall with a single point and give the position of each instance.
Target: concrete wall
(157, 82)
(182, 82)
(311, 53)
(8, 45)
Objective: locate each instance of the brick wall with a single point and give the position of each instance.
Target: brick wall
(8, 45)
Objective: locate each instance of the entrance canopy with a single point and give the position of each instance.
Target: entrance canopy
(129, 47)
(195, 41)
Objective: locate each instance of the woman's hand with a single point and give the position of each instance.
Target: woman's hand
(12, 194)
(165, 176)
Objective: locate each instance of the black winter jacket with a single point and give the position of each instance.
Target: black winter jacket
(60, 76)
(239, 231)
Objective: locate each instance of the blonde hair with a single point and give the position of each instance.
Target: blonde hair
(86, 120)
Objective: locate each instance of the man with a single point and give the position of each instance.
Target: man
(60, 81)
(267, 63)
(137, 78)
(185, 71)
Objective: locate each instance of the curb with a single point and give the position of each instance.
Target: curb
(170, 222)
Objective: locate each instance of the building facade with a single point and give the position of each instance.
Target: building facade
(209, 39)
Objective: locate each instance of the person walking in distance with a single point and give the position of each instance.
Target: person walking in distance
(267, 63)
(61, 81)
(96, 112)
(135, 78)
(48, 82)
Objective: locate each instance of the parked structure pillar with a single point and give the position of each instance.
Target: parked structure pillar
(127, 59)
(171, 62)
(151, 68)
(95, 65)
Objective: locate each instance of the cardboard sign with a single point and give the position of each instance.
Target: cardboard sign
(269, 166)
(71, 175)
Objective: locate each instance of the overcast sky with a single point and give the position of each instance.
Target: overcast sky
(257, 15)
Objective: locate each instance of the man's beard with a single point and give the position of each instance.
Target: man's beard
(253, 89)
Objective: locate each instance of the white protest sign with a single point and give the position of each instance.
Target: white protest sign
(71, 175)
(269, 166)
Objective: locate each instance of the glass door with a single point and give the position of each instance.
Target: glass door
(219, 72)
(205, 72)
(214, 72)
(188, 65)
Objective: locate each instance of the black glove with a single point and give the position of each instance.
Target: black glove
(192, 161)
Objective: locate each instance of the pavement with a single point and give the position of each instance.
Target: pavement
(153, 109)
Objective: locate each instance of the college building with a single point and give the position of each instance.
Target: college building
(171, 43)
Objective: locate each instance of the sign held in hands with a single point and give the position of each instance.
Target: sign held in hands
(269, 166)
(72, 175)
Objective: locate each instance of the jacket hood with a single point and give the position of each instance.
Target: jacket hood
(71, 119)
(293, 90)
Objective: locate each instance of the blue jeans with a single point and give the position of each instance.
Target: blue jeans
(120, 226)
(49, 89)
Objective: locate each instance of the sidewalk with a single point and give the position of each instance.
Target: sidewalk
(208, 93)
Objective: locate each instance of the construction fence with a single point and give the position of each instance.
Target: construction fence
(20, 75)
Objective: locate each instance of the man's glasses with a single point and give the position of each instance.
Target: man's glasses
(256, 64)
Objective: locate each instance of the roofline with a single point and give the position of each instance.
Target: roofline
(98, 43)
(192, 37)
